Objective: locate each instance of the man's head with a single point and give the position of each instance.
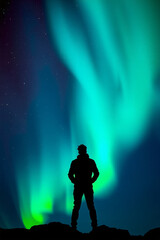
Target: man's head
(82, 149)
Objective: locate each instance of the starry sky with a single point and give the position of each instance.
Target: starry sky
(74, 72)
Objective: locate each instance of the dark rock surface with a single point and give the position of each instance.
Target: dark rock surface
(58, 230)
(153, 234)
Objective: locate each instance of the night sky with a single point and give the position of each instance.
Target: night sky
(80, 72)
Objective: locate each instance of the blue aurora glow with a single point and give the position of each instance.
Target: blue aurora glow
(75, 73)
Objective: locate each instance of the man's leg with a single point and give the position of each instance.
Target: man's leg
(90, 203)
(78, 193)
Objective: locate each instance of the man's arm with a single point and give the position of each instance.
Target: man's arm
(71, 173)
(95, 172)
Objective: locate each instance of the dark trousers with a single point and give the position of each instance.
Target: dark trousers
(88, 193)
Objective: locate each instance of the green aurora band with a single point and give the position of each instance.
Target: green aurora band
(107, 46)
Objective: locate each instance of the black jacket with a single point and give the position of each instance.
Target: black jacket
(83, 171)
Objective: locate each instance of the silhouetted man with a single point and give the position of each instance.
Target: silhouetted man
(83, 173)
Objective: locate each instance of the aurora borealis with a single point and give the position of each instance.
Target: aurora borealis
(72, 72)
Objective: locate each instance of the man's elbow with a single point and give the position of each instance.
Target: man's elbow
(97, 174)
(69, 176)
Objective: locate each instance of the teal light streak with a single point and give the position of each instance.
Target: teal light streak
(113, 93)
(89, 96)
(113, 67)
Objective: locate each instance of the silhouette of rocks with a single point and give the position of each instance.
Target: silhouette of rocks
(57, 230)
(104, 232)
(14, 233)
(153, 234)
(53, 230)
